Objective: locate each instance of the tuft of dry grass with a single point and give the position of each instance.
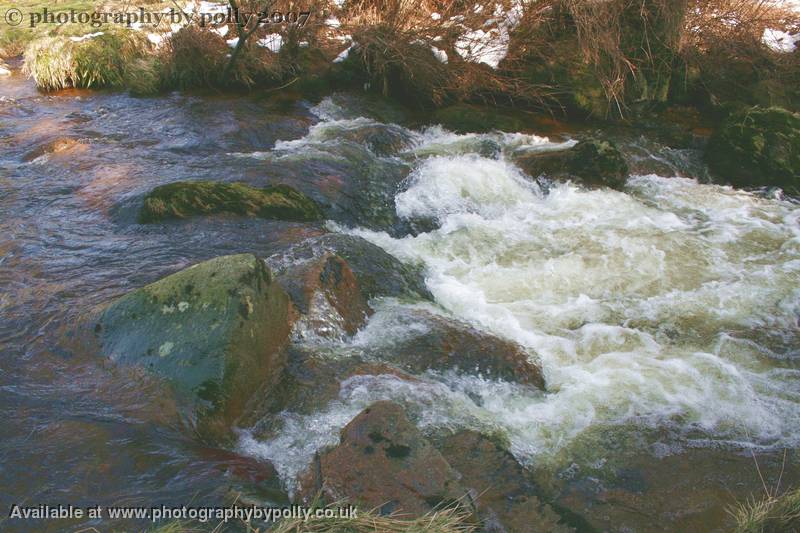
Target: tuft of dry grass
(448, 520)
(771, 514)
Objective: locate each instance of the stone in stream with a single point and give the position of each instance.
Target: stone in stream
(505, 495)
(384, 462)
(55, 146)
(758, 147)
(438, 343)
(214, 330)
(186, 199)
(592, 162)
(378, 273)
(467, 118)
(326, 291)
(311, 382)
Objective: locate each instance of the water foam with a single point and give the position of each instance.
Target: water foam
(670, 305)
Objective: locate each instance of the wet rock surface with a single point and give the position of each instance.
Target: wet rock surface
(466, 118)
(327, 291)
(758, 147)
(186, 199)
(503, 491)
(591, 162)
(214, 330)
(437, 343)
(378, 273)
(384, 462)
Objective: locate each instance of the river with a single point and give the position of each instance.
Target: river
(665, 317)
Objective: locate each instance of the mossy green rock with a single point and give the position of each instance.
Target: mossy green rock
(593, 162)
(186, 199)
(466, 118)
(758, 147)
(599, 162)
(214, 330)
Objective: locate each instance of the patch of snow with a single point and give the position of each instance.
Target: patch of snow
(343, 55)
(158, 38)
(780, 41)
(4, 71)
(436, 16)
(233, 42)
(333, 22)
(272, 41)
(490, 46)
(85, 37)
(222, 31)
(441, 55)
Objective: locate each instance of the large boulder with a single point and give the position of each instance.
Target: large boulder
(593, 162)
(186, 199)
(384, 462)
(505, 495)
(214, 330)
(758, 147)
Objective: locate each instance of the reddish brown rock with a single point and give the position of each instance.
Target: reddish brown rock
(505, 496)
(327, 281)
(451, 345)
(384, 462)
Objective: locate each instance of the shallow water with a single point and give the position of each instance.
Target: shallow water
(665, 317)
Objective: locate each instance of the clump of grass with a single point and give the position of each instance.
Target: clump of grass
(49, 61)
(771, 514)
(194, 57)
(59, 62)
(449, 520)
(453, 519)
(144, 76)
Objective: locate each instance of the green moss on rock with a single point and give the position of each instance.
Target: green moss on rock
(466, 118)
(758, 147)
(186, 199)
(593, 162)
(214, 330)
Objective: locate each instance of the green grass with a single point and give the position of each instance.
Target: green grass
(772, 514)
(58, 62)
(14, 39)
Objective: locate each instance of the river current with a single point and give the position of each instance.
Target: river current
(665, 316)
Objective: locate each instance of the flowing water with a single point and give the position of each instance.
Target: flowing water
(665, 317)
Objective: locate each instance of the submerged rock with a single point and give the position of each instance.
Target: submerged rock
(186, 199)
(384, 462)
(378, 273)
(61, 144)
(758, 147)
(593, 162)
(214, 330)
(503, 492)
